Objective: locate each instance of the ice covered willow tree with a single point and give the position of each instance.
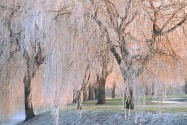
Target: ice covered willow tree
(19, 60)
(137, 32)
(113, 18)
(54, 32)
(68, 34)
(124, 25)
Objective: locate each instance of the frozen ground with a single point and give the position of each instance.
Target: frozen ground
(99, 115)
(108, 118)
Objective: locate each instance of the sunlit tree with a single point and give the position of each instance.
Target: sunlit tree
(135, 36)
(74, 40)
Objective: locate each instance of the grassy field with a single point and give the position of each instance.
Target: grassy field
(116, 104)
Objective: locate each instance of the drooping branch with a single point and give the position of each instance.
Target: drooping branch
(174, 27)
(173, 15)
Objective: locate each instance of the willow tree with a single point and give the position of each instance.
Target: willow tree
(122, 27)
(32, 65)
(133, 44)
(118, 16)
(69, 49)
(69, 34)
(21, 57)
(33, 54)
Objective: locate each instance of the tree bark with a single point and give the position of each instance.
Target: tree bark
(96, 92)
(91, 93)
(128, 100)
(185, 88)
(32, 66)
(101, 92)
(75, 96)
(79, 99)
(113, 90)
(85, 94)
(29, 113)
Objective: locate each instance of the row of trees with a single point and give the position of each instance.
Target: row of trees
(92, 92)
(80, 42)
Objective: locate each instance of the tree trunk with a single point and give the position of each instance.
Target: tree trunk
(29, 113)
(75, 96)
(79, 99)
(32, 66)
(113, 90)
(185, 88)
(101, 92)
(85, 94)
(96, 92)
(128, 100)
(91, 93)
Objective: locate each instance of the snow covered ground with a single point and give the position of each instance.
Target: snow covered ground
(78, 117)
(90, 116)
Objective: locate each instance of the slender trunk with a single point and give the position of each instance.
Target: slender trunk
(29, 113)
(129, 104)
(91, 93)
(185, 88)
(85, 94)
(101, 92)
(146, 90)
(79, 99)
(113, 91)
(74, 96)
(96, 92)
